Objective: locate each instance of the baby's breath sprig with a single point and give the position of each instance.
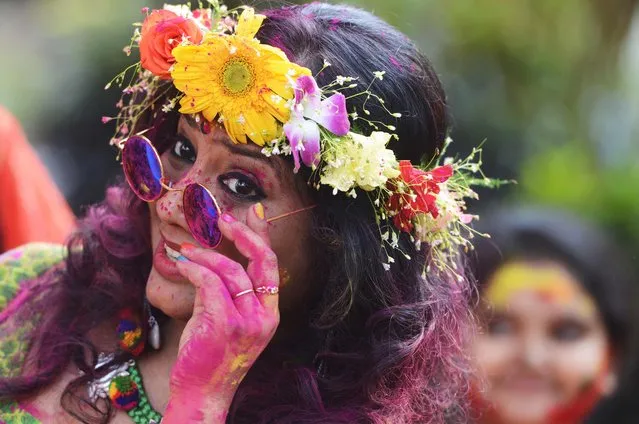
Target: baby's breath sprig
(378, 75)
(277, 146)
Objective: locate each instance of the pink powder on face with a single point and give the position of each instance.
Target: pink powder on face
(225, 205)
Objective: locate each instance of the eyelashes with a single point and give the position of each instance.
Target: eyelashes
(237, 184)
(242, 186)
(183, 150)
(564, 330)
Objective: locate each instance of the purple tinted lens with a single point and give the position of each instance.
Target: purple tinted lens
(142, 168)
(201, 213)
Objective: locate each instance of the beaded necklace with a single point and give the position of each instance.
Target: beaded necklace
(125, 389)
(123, 384)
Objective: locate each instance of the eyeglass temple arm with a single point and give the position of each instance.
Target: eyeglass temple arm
(284, 215)
(167, 186)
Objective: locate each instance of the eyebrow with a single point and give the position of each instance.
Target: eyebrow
(236, 148)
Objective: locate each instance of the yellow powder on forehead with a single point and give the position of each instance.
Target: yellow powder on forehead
(551, 281)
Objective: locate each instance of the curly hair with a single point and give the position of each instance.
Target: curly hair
(376, 346)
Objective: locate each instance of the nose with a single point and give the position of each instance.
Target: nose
(170, 209)
(534, 352)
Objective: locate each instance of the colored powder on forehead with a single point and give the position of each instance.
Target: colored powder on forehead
(550, 282)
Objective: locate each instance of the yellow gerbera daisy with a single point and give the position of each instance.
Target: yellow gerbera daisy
(235, 78)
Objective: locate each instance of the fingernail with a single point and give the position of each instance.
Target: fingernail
(186, 246)
(182, 258)
(227, 218)
(259, 210)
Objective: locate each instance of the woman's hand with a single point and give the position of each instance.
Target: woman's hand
(227, 332)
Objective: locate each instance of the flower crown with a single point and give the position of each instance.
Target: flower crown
(224, 74)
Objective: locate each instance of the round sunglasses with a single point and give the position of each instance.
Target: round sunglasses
(144, 172)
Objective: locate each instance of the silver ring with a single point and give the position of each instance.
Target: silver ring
(267, 290)
(242, 293)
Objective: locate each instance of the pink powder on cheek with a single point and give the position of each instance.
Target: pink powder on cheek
(267, 186)
(225, 205)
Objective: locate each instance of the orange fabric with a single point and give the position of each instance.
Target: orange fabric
(31, 206)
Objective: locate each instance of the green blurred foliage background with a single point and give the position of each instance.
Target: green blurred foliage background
(551, 85)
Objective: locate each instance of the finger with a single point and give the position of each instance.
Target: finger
(262, 268)
(211, 294)
(229, 271)
(256, 221)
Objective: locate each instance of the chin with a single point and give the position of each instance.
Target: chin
(174, 299)
(519, 413)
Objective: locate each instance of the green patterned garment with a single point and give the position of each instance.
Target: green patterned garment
(19, 269)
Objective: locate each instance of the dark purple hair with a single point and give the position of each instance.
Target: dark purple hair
(376, 346)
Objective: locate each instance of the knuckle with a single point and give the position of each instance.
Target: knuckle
(269, 259)
(234, 268)
(253, 330)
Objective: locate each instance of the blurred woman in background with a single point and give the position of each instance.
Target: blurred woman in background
(554, 319)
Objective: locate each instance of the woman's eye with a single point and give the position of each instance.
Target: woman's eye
(184, 150)
(568, 331)
(500, 326)
(242, 186)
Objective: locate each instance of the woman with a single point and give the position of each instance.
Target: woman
(555, 318)
(369, 322)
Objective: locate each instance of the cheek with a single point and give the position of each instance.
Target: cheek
(154, 218)
(494, 356)
(291, 243)
(580, 363)
(174, 300)
(168, 207)
(228, 206)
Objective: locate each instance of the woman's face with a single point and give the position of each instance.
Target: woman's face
(238, 176)
(543, 348)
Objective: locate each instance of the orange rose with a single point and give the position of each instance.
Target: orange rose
(162, 31)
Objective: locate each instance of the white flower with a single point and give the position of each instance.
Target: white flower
(451, 211)
(357, 161)
(341, 79)
(179, 9)
(379, 74)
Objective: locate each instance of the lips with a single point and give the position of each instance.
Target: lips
(164, 265)
(528, 384)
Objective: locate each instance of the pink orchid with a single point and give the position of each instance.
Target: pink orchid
(309, 109)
